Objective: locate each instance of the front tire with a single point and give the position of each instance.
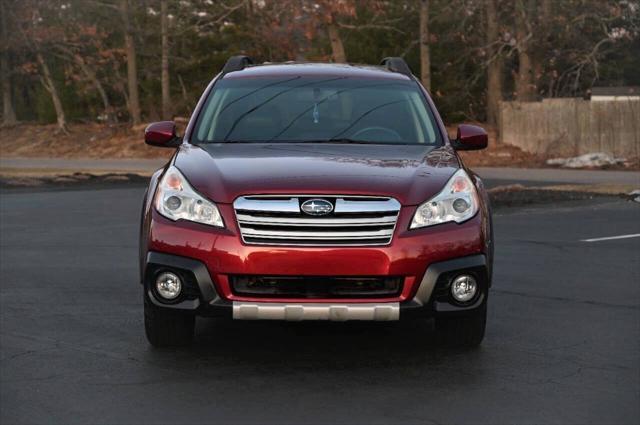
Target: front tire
(465, 331)
(166, 327)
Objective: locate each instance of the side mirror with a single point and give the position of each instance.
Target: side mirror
(470, 138)
(162, 134)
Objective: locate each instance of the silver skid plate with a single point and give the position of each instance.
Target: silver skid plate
(315, 311)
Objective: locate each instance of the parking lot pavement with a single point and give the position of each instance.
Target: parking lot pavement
(540, 176)
(563, 340)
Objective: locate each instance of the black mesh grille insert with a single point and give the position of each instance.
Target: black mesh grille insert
(316, 287)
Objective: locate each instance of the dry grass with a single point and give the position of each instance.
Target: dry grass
(83, 141)
(496, 154)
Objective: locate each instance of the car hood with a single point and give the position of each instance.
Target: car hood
(410, 173)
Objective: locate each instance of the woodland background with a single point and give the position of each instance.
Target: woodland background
(134, 61)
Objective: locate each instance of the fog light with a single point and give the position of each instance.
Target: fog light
(464, 288)
(168, 285)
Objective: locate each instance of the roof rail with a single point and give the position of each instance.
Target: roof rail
(397, 64)
(236, 63)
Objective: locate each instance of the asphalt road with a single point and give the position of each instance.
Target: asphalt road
(563, 340)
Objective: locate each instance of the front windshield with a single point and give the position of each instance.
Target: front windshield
(316, 109)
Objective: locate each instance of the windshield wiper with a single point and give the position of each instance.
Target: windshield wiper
(347, 140)
(341, 140)
(233, 141)
(334, 140)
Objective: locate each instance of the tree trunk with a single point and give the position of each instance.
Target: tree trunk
(494, 69)
(119, 85)
(164, 25)
(525, 89)
(93, 78)
(543, 46)
(425, 55)
(8, 113)
(336, 43)
(132, 68)
(50, 86)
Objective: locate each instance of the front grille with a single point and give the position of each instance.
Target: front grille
(354, 221)
(316, 287)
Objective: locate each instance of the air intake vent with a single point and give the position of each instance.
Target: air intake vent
(349, 220)
(316, 287)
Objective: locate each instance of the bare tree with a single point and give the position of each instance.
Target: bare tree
(542, 43)
(525, 88)
(425, 55)
(49, 85)
(337, 48)
(494, 68)
(329, 13)
(91, 76)
(164, 29)
(36, 39)
(8, 113)
(132, 68)
(89, 73)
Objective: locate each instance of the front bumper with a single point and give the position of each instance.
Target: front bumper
(225, 255)
(209, 257)
(430, 299)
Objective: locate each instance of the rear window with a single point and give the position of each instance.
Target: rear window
(316, 109)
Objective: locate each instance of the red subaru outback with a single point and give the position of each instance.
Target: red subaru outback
(307, 191)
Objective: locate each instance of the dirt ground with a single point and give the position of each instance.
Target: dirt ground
(497, 154)
(122, 141)
(83, 141)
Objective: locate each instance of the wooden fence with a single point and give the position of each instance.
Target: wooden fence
(568, 127)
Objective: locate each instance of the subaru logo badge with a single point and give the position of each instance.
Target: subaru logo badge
(316, 207)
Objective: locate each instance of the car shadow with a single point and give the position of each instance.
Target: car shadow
(313, 346)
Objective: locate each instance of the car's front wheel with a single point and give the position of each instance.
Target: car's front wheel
(466, 331)
(165, 327)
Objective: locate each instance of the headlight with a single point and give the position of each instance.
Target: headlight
(176, 199)
(458, 202)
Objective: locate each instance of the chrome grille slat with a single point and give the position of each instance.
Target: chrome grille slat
(316, 235)
(329, 222)
(268, 205)
(278, 220)
(345, 206)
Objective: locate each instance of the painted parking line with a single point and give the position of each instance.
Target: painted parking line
(610, 238)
